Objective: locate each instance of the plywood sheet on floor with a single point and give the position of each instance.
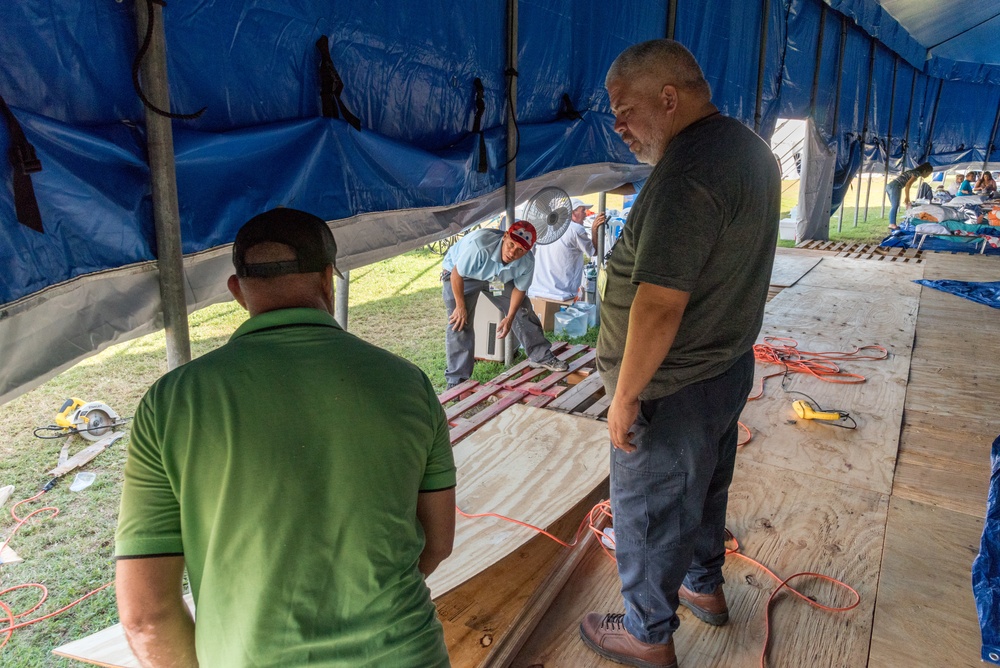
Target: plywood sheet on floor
(881, 278)
(867, 314)
(789, 268)
(949, 421)
(941, 466)
(926, 614)
(792, 523)
(529, 464)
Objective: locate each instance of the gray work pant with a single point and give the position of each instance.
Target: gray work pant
(460, 346)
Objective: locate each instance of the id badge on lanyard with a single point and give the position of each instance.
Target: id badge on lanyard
(496, 287)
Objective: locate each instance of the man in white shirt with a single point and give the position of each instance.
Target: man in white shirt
(559, 265)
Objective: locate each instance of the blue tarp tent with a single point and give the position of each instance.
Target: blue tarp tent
(410, 174)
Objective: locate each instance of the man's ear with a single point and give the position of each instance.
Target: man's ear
(328, 283)
(234, 288)
(668, 97)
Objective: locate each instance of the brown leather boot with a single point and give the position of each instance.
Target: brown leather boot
(606, 635)
(709, 608)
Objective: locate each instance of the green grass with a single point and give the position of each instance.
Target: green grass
(870, 231)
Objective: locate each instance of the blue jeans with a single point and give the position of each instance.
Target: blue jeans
(893, 191)
(669, 498)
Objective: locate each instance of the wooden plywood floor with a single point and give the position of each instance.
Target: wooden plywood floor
(894, 509)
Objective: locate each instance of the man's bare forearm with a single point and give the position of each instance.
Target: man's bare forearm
(167, 642)
(458, 289)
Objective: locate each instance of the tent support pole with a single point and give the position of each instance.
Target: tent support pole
(671, 18)
(602, 207)
(888, 135)
(510, 174)
(993, 134)
(163, 181)
(819, 60)
(836, 102)
(864, 136)
(761, 62)
(909, 117)
(342, 292)
(930, 130)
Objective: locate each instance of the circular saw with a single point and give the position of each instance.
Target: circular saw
(92, 420)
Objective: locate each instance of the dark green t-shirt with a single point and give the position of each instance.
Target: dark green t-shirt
(285, 466)
(705, 223)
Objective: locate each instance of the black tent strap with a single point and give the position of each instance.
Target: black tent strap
(568, 110)
(477, 125)
(24, 163)
(137, 64)
(332, 86)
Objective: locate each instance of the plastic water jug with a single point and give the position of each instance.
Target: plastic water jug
(570, 323)
(589, 310)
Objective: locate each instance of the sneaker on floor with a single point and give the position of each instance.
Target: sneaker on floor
(709, 608)
(606, 635)
(552, 363)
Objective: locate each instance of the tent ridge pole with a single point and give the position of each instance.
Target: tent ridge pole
(510, 174)
(888, 135)
(836, 101)
(864, 135)
(163, 182)
(761, 63)
(993, 134)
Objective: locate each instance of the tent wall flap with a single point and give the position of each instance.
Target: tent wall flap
(412, 174)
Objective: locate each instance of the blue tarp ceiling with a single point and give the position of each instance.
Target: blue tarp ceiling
(410, 174)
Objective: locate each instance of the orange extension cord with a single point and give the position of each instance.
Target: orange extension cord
(821, 365)
(9, 616)
(603, 510)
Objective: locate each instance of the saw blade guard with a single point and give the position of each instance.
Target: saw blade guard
(94, 420)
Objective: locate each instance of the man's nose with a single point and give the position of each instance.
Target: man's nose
(619, 125)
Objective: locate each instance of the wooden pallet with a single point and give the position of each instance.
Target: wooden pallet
(863, 251)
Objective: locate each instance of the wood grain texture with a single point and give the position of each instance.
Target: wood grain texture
(866, 314)
(789, 268)
(926, 614)
(479, 615)
(864, 457)
(864, 276)
(790, 522)
(526, 463)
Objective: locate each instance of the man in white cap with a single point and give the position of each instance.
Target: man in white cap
(559, 265)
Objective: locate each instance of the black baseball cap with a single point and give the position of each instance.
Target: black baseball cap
(307, 234)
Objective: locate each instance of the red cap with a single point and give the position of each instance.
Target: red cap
(523, 233)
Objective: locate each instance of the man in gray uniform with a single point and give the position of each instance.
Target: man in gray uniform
(682, 306)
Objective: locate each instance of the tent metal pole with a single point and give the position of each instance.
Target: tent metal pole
(602, 207)
(761, 62)
(993, 134)
(909, 117)
(819, 60)
(510, 174)
(342, 291)
(671, 18)
(864, 135)
(163, 181)
(888, 135)
(836, 102)
(930, 130)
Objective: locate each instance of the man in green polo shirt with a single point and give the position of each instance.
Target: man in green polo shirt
(303, 477)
